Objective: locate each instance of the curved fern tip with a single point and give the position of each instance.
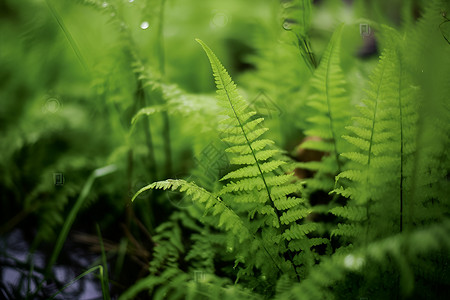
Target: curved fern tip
(200, 42)
(205, 47)
(145, 188)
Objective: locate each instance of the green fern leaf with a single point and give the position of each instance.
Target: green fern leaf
(228, 219)
(265, 179)
(351, 230)
(294, 215)
(378, 174)
(287, 202)
(331, 107)
(353, 213)
(306, 244)
(297, 231)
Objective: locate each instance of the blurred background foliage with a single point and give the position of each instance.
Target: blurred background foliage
(74, 73)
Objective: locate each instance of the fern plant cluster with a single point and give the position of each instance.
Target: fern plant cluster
(384, 187)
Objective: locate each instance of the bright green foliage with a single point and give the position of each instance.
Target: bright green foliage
(227, 218)
(378, 134)
(262, 177)
(402, 258)
(359, 209)
(429, 63)
(371, 153)
(382, 180)
(260, 183)
(330, 104)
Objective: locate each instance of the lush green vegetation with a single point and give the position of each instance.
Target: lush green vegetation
(323, 173)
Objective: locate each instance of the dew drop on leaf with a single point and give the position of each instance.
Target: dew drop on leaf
(144, 25)
(352, 262)
(287, 25)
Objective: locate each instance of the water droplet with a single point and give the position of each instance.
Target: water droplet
(104, 4)
(52, 105)
(352, 262)
(144, 25)
(219, 20)
(287, 25)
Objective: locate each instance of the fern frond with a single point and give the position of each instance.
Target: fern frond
(261, 181)
(306, 244)
(381, 167)
(252, 171)
(383, 263)
(298, 231)
(352, 213)
(350, 230)
(256, 146)
(227, 218)
(262, 170)
(294, 215)
(331, 107)
(168, 247)
(429, 62)
(260, 156)
(287, 202)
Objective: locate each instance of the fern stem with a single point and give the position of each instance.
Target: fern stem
(310, 53)
(336, 153)
(140, 94)
(373, 121)
(248, 230)
(370, 150)
(304, 46)
(251, 148)
(252, 235)
(167, 143)
(260, 172)
(161, 54)
(401, 142)
(130, 187)
(165, 115)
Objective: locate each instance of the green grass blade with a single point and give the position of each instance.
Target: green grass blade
(73, 213)
(100, 270)
(121, 256)
(105, 278)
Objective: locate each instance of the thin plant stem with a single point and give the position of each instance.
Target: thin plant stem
(141, 99)
(67, 34)
(165, 115)
(105, 278)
